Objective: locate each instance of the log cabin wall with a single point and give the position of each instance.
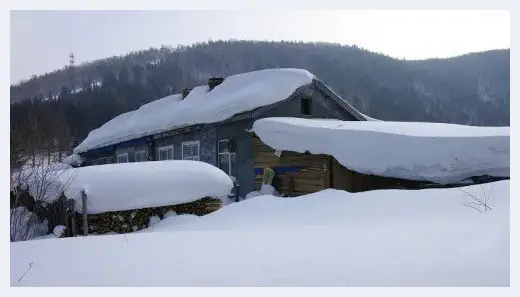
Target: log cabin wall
(345, 179)
(296, 174)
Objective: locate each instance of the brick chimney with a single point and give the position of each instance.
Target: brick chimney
(185, 92)
(214, 81)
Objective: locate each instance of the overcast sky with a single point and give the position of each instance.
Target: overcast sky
(42, 40)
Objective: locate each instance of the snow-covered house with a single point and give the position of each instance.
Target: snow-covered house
(211, 123)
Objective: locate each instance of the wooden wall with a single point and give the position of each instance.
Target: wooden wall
(299, 174)
(345, 179)
(295, 173)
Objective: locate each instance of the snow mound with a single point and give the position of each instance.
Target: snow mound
(126, 186)
(153, 220)
(264, 190)
(238, 93)
(329, 208)
(59, 230)
(74, 160)
(169, 214)
(329, 238)
(441, 153)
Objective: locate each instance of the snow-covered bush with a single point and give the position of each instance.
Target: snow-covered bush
(25, 225)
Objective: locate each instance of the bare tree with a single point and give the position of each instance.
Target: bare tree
(34, 182)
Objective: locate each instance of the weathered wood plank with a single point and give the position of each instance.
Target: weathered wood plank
(307, 175)
(300, 181)
(317, 164)
(285, 186)
(289, 155)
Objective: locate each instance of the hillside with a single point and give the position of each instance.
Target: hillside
(471, 89)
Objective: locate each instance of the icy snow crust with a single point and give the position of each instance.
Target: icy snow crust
(441, 153)
(238, 93)
(329, 238)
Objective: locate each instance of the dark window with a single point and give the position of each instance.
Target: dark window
(306, 106)
(226, 157)
(140, 156)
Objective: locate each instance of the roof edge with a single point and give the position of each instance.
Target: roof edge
(341, 102)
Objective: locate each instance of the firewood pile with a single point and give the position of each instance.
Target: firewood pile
(134, 220)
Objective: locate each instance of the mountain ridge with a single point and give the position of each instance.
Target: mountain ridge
(470, 89)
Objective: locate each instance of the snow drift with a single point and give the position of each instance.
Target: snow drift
(74, 160)
(125, 186)
(329, 238)
(441, 153)
(238, 93)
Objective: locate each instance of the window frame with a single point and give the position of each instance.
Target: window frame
(144, 152)
(306, 104)
(121, 155)
(228, 153)
(191, 143)
(165, 148)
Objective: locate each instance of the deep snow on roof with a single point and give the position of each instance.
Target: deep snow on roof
(236, 94)
(441, 153)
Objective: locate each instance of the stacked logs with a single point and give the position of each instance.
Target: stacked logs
(134, 220)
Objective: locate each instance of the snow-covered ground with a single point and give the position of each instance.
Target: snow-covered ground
(437, 152)
(436, 237)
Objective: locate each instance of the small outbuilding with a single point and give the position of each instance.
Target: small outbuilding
(310, 155)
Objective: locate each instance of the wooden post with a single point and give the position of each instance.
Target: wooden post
(84, 212)
(237, 191)
(291, 185)
(62, 210)
(72, 216)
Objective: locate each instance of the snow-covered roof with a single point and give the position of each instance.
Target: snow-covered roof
(441, 153)
(236, 94)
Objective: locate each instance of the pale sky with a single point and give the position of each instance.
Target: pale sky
(42, 40)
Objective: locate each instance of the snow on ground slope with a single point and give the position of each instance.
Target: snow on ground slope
(238, 93)
(442, 153)
(330, 238)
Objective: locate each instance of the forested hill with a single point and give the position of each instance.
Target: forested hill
(471, 89)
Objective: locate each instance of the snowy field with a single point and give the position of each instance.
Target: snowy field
(437, 152)
(437, 237)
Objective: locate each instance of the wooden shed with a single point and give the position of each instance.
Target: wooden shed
(303, 173)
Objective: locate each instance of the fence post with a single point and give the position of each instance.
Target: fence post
(72, 216)
(84, 212)
(63, 213)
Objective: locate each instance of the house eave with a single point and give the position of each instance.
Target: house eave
(339, 100)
